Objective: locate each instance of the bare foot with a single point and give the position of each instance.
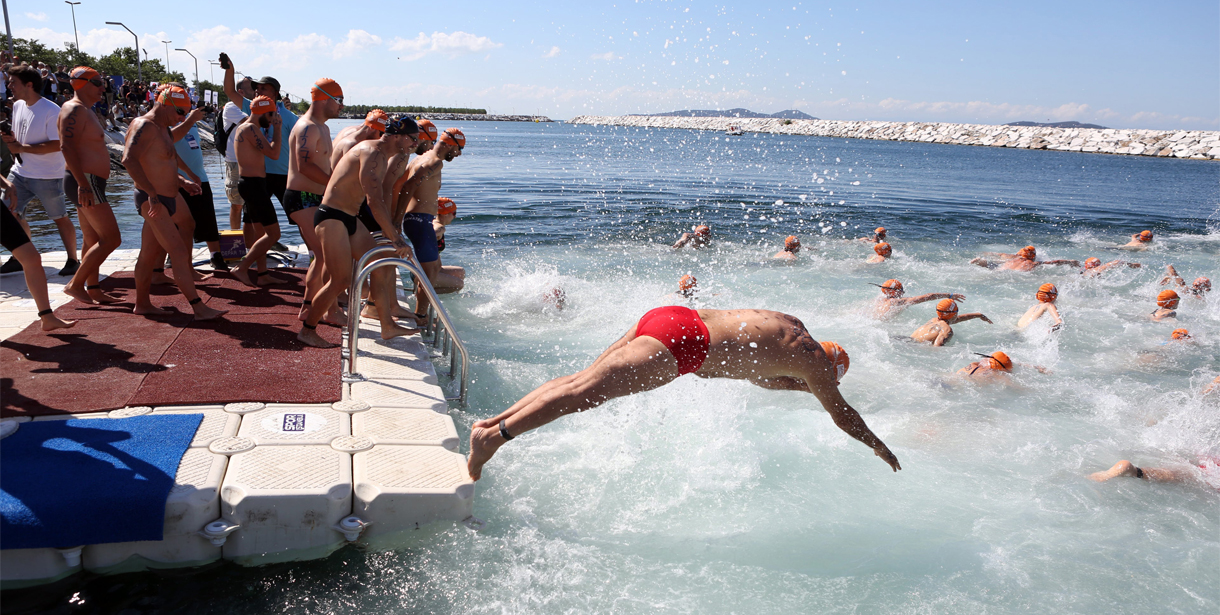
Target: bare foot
(402, 312)
(1122, 468)
(269, 280)
(243, 275)
(198, 277)
(310, 337)
(160, 278)
(150, 310)
(484, 442)
(203, 312)
(103, 298)
(51, 322)
(370, 312)
(335, 317)
(80, 294)
(396, 331)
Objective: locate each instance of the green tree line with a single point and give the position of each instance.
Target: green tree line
(121, 61)
(362, 110)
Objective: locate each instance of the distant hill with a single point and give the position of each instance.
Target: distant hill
(1055, 124)
(790, 114)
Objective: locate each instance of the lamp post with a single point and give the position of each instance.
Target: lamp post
(167, 56)
(139, 67)
(8, 30)
(74, 32)
(212, 70)
(196, 64)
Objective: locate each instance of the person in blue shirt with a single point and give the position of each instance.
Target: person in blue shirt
(277, 170)
(203, 208)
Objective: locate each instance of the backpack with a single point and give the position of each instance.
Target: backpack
(221, 136)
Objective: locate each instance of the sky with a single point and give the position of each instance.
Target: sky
(1116, 63)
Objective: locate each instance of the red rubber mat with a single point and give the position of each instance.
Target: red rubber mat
(113, 358)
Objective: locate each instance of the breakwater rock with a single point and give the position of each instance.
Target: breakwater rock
(1198, 144)
(469, 117)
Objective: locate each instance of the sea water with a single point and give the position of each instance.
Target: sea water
(710, 496)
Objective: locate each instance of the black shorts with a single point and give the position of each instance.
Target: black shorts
(259, 209)
(97, 184)
(12, 236)
(203, 210)
(170, 202)
(298, 200)
(324, 213)
(277, 185)
(366, 216)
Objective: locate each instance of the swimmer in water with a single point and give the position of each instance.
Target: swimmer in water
(1167, 305)
(701, 238)
(1026, 259)
(1139, 241)
(792, 245)
(882, 252)
(994, 368)
(1213, 388)
(555, 298)
(892, 302)
(1046, 295)
(1093, 266)
(878, 236)
(938, 330)
(1198, 289)
(688, 287)
(769, 349)
(1126, 468)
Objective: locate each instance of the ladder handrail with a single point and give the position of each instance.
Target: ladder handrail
(353, 312)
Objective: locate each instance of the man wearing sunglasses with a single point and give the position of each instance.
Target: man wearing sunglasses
(253, 152)
(277, 168)
(83, 144)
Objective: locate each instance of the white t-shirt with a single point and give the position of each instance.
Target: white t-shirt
(34, 124)
(232, 115)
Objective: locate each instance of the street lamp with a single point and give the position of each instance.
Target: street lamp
(74, 32)
(167, 56)
(211, 70)
(196, 64)
(139, 68)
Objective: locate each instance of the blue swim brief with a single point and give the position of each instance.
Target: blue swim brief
(418, 229)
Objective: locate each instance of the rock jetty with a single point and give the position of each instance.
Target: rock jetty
(469, 117)
(1197, 144)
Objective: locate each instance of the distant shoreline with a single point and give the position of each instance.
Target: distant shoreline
(1194, 144)
(467, 117)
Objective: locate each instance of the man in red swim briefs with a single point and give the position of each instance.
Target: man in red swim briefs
(770, 349)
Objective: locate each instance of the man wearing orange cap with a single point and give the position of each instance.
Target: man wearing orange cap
(1139, 241)
(768, 349)
(1166, 305)
(892, 302)
(367, 171)
(253, 149)
(878, 236)
(276, 174)
(701, 238)
(1093, 266)
(152, 163)
(881, 252)
(446, 212)
(427, 136)
(994, 368)
(938, 330)
(309, 148)
(83, 142)
(1026, 259)
(1198, 289)
(1046, 296)
(416, 206)
(792, 245)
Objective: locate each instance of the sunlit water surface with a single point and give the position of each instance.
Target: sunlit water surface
(716, 496)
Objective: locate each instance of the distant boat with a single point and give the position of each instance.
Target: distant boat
(734, 131)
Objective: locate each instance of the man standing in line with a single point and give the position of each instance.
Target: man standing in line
(232, 116)
(309, 172)
(152, 163)
(418, 204)
(84, 149)
(39, 172)
(201, 206)
(252, 152)
(277, 168)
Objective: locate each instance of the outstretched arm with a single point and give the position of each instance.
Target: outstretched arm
(1061, 261)
(932, 296)
(683, 240)
(970, 316)
(822, 385)
(1171, 275)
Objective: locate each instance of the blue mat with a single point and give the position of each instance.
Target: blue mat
(89, 481)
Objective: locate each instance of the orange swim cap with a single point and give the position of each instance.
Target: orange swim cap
(174, 96)
(999, 360)
(703, 230)
(838, 358)
(261, 104)
(1167, 299)
(326, 88)
(445, 206)
(427, 130)
(791, 243)
(83, 74)
(1180, 334)
(1092, 262)
(883, 249)
(880, 231)
(1047, 293)
(946, 309)
(687, 283)
(1028, 252)
(892, 288)
(1202, 284)
(1145, 236)
(454, 137)
(377, 119)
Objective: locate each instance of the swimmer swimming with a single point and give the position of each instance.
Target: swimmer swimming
(937, 331)
(1093, 266)
(1026, 259)
(878, 236)
(792, 245)
(1046, 296)
(882, 251)
(1139, 241)
(892, 302)
(701, 238)
(769, 349)
(1198, 289)
(994, 368)
(1167, 305)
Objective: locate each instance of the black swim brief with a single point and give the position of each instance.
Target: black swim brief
(96, 184)
(12, 235)
(366, 216)
(253, 191)
(325, 213)
(298, 200)
(170, 202)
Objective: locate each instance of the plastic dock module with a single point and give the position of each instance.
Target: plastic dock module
(403, 488)
(289, 424)
(287, 502)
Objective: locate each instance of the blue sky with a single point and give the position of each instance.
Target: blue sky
(1121, 64)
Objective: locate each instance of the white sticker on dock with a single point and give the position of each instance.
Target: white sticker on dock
(294, 422)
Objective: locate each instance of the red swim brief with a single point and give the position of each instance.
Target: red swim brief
(681, 331)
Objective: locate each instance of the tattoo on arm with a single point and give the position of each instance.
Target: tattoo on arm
(70, 124)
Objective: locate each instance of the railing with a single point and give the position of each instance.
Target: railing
(446, 339)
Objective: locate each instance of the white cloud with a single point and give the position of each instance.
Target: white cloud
(453, 45)
(95, 42)
(608, 56)
(37, 16)
(552, 53)
(356, 42)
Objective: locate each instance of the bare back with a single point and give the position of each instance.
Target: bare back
(756, 344)
(309, 143)
(933, 331)
(82, 139)
(149, 144)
